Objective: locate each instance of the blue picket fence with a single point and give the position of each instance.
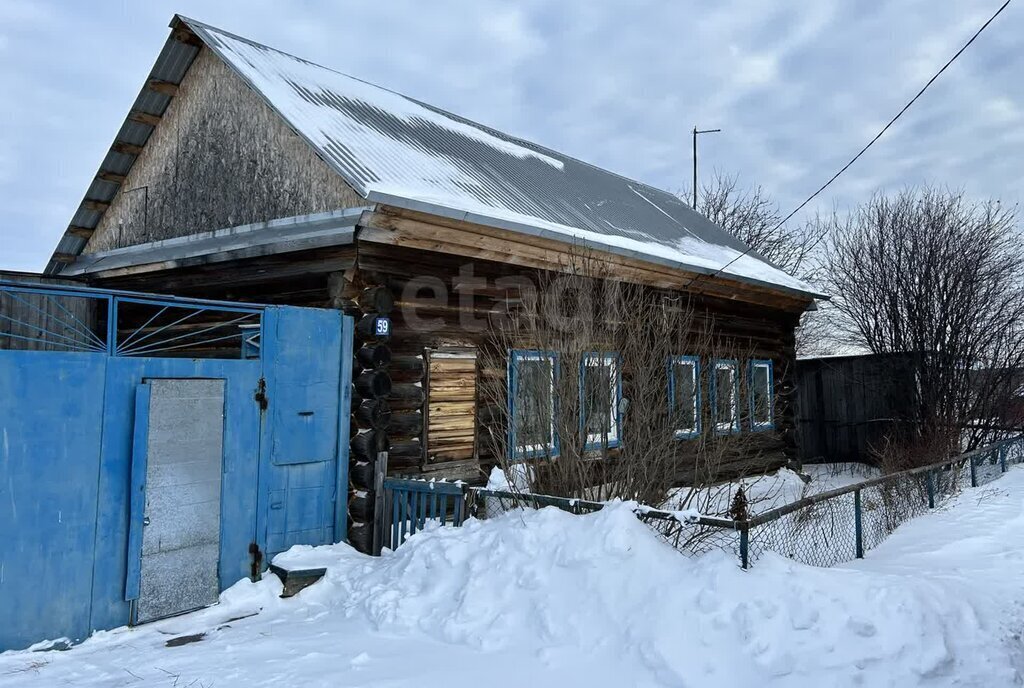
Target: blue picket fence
(413, 504)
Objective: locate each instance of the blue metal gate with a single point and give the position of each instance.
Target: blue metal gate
(72, 466)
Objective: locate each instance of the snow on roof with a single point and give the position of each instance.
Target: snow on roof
(399, 151)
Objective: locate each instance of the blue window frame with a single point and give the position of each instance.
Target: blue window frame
(601, 399)
(531, 403)
(762, 394)
(725, 394)
(684, 394)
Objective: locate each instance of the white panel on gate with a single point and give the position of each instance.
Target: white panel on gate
(181, 533)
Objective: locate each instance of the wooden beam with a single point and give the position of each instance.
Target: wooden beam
(84, 232)
(144, 117)
(110, 177)
(98, 206)
(183, 35)
(165, 87)
(126, 148)
(66, 258)
(423, 232)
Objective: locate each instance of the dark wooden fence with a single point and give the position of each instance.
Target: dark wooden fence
(847, 405)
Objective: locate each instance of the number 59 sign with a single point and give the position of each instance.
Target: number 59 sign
(382, 327)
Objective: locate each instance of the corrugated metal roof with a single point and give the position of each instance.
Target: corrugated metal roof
(395, 149)
(402, 152)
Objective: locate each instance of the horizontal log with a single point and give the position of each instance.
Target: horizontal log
(453, 423)
(409, 448)
(373, 356)
(366, 445)
(377, 299)
(373, 384)
(361, 504)
(405, 424)
(361, 474)
(407, 392)
(360, 535)
(373, 413)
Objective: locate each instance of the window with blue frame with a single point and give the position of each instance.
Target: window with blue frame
(762, 395)
(600, 399)
(531, 400)
(684, 394)
(725, 396)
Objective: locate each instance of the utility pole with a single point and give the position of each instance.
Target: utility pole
(695, 132)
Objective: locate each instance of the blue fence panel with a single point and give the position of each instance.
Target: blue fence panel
(51, 409)
(415, 503)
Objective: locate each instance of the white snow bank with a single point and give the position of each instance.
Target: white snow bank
(543, 598)
(765, 492)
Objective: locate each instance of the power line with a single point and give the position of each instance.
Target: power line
(870, 143)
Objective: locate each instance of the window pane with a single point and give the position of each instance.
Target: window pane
(724, 392)
(685, 395)
(760, 390)
(532, 405)
(598, 392)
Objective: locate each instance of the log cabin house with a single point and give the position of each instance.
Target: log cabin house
(244, 173)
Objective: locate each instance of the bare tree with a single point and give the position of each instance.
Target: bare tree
(753, 216)
(933, 274)
(581, 334)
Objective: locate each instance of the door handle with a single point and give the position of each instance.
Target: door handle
(145, 520)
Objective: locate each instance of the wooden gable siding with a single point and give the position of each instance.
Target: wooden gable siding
(220, 157)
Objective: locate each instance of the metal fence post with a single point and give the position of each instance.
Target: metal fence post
(974, 472)
(1002, 457)
(858, 527)
(930, 475)
(744, 545)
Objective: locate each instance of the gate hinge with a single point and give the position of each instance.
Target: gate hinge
(261, 394)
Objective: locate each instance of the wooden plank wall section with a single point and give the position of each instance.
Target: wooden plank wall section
(848, 406)
(451, 406)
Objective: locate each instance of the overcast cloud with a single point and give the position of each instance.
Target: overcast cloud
(797, 87)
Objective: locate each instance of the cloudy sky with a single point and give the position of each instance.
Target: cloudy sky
(797, 87)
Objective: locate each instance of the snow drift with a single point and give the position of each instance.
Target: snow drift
(547, 598)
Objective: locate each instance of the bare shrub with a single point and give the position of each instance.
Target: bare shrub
(930, 273)
(582, 316)
(753, 216)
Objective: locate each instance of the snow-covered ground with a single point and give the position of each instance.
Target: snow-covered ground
(773, 490)
(549, 599)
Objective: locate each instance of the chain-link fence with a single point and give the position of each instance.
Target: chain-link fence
(822, 530)
(841, 525)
